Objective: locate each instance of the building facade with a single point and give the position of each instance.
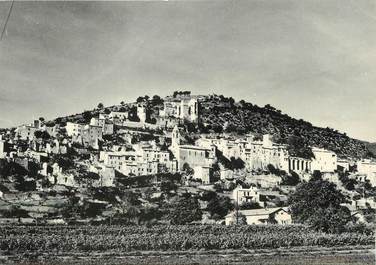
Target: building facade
(185, 108)
(192, 155)
(324, 160)
(278, 216)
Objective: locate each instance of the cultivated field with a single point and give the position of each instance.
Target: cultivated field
(293, 244)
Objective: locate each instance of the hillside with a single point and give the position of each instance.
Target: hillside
(113, 174)
(219, 113)
(371, 147)
(242, 117)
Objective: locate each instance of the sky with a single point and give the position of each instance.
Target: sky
(314, 60)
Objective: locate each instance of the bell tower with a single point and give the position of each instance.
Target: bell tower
(175, 141)
(175, 137)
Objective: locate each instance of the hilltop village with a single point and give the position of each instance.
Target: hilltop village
(164, 161)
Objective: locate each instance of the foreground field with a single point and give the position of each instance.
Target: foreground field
(26, 239)
(164, 244)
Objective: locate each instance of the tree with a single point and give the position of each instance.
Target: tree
(100, 106)
(317, 175)
(216, 172)
(231, 101)
(297, 146)
(90, 210)
(168, 186)
(231, 128)
(132, 214)
(181, 93)
(148, 214)
(331, 219)
(128, 208)
(190, 127)
(223, 160)
(87, 116)
(217, 128)
(318, 204)
(185, 210)
(291, 180)
(272, 169)
(369, 214)
(229, 185)
(220, 206)
(208, 195)
(237, 163)
(11, 168)
(42, 135)
(131, 198)
(250, 205)
(218, 187)
(14, 212)
(148, 193)
(188, 170)
(65, 162)
(156, 100)
(24, 185)
(348, 183)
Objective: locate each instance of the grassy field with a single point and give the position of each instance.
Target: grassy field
(164, 244)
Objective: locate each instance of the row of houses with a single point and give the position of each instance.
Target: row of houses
(144, 159)
(26, 132)
(259, 154)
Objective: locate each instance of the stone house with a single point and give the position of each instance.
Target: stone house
(279, 216)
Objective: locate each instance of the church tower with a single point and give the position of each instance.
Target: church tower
(175, 141)
(175, 137)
